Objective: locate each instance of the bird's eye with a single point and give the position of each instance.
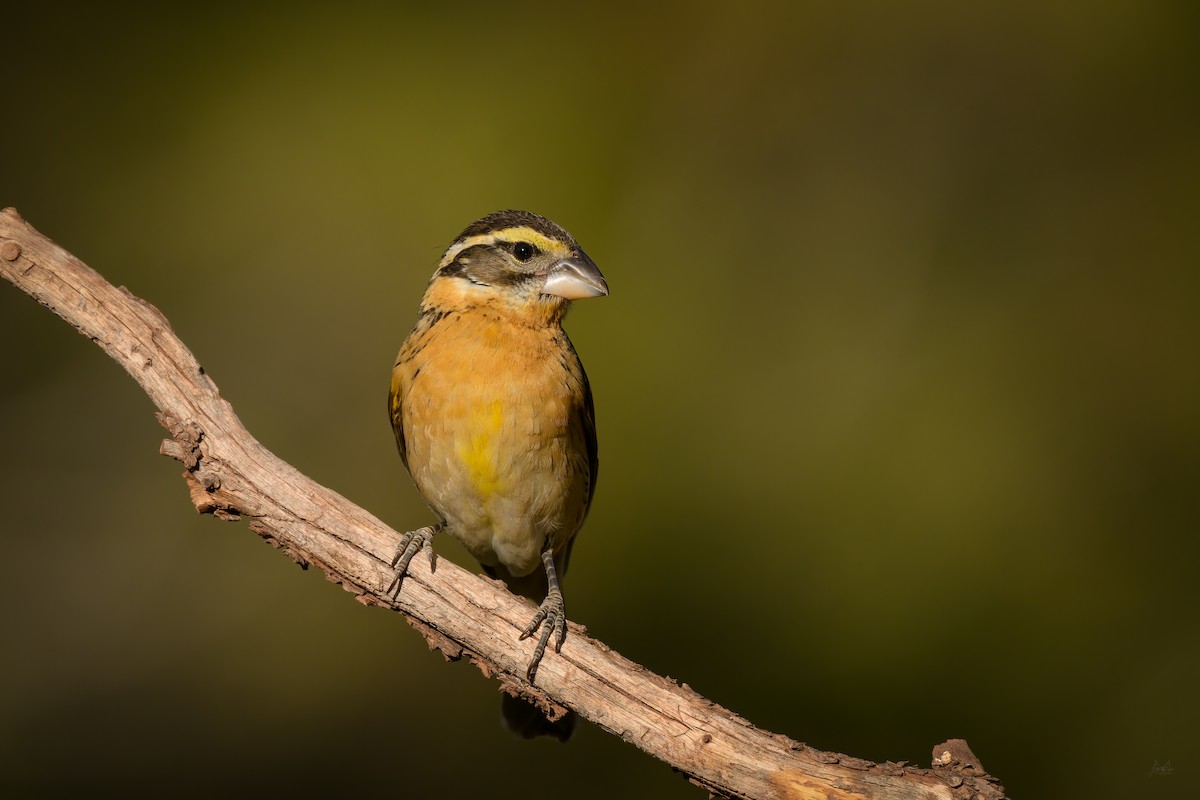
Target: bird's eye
(523, 251)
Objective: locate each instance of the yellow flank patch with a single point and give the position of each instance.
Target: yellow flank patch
(479, 451)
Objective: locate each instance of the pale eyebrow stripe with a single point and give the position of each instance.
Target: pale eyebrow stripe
(521, 233)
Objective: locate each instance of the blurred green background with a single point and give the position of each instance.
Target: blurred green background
(897, 386)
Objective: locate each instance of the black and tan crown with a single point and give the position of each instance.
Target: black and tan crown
(522, 255)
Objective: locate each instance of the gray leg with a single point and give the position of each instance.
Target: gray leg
(553, 613)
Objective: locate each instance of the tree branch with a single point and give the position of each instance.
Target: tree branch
(230, 475)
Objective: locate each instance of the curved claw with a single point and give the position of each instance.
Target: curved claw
(553, 613)
(410, 544)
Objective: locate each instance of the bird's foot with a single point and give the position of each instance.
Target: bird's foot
(553, 614)
(410, 544)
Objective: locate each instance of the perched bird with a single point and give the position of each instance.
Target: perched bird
(493, 416)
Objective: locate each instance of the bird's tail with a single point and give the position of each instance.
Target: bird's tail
(527, 720)
(521, 717)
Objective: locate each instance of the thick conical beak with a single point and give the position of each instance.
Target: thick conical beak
(575, 278)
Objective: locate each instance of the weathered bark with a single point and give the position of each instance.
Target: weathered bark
(230, 475)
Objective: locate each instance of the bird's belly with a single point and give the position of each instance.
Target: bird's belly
(497, 460)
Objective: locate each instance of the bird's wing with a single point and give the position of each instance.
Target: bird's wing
(396, 411)
(588, 421)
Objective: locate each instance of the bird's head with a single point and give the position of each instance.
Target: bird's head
(519, 259)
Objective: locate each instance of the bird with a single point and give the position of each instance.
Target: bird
(494, 419)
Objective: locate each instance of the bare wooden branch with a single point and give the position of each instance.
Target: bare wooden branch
(230, 475)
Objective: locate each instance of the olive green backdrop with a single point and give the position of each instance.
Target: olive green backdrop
(897, 386)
